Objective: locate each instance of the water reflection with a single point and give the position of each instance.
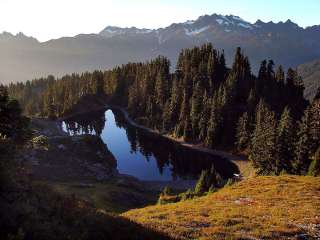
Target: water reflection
(145, 155)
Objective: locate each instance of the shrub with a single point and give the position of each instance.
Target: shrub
(40, 141)
(207, 180)
(314, 168)
(167, 191)
(189, 194)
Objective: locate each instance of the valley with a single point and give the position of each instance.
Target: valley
(189, 129)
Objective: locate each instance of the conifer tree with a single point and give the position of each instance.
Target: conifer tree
(187, 130)
(204, 117)
(196, 108)
(285, 142)
(262, 78)
(208, 179)
(315, 124)
(243, 132)
(211, 138)
(314, 168)
(303, 144)
(161, 89)
(263, 150)
(175, 101)
(166, 116)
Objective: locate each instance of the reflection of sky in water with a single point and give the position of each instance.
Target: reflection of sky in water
(131, 163)
(154, 158)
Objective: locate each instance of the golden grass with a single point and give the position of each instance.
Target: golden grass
(259, 207)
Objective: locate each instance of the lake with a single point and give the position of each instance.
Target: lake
(145, 155)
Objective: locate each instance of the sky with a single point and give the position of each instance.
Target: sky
(49, 19)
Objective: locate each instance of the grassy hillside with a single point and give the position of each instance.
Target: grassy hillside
(259, 207)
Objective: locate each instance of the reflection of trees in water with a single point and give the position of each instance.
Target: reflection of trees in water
(85, 124)
(183, 161)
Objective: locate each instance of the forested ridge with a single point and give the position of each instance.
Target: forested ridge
(203, 101)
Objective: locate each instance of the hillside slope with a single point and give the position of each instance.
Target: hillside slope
(262, 207)
(310, 73)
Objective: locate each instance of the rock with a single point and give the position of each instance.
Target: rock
(62, 147)
(302, 237)
(85, 185)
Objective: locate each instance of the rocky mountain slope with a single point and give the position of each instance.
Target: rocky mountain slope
(310, 72)
(285, 42)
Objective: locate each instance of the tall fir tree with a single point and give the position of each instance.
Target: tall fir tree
(263, 150)
(243, 132)
(303, 144)
(285, 142)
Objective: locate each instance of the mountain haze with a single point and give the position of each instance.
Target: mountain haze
(310, 72)
(23, 58)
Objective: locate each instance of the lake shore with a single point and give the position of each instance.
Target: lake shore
(242, 163)
(97, 104)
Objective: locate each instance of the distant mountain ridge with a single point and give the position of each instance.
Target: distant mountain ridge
(24, 58)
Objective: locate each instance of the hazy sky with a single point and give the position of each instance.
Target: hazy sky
(47, 19)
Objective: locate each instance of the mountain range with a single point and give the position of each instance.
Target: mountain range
(23, 58)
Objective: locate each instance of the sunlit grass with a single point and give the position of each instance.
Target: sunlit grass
(259, 207)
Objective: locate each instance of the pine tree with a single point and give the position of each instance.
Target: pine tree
(208, 179)
(315, 124)
(187, 130)
(211, 139)
(280, 76)
(175, 101)
(263, 150)
(303, 144)
(184, 117)
(285, 142)
(314, 168)
(243, 132)
(262, 78)
(196, 108)
(161, 89)
(166, 116)
(202, 185)
(204, 117)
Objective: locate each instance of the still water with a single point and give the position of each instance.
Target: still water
(142, 154)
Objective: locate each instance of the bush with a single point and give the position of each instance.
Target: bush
(167, 191)
(207, 180)
(40, 141)
(314, 168)
(189, 194)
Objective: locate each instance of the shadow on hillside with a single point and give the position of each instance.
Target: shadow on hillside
(37, 212)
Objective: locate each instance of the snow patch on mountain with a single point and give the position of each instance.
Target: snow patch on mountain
(233, 21)
(116, 31)
(189, 22)
(220, 21)
(245, 25)
(196, 31)
(238, 18)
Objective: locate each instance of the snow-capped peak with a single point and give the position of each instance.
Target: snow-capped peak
(233, 21)
(189, 22)
(111, 31)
